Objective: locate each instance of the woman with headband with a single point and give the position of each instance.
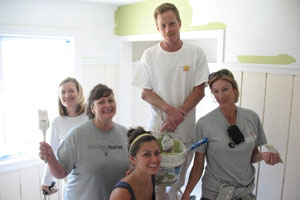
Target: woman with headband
(144, 154)
(234, 135)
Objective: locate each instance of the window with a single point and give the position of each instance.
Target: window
(30, 70)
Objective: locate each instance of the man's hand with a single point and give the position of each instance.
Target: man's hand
(175, 116)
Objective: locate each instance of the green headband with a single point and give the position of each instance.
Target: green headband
(137, 138)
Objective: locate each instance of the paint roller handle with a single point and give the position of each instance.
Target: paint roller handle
(197, 144)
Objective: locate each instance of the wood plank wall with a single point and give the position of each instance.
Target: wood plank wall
(24, 184)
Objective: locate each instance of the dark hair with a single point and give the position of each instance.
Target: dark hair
(166, 7)
(226, 75)
(97, 92)
(132, 134)
(81, 100)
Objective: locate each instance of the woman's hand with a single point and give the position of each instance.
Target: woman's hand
(46, 152)
(271, 158)
(46, 188)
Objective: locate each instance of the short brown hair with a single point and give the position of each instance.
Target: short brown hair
(97, 92)
(166, 7)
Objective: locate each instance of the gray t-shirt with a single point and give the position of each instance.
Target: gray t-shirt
(231, 166)
(95, 159)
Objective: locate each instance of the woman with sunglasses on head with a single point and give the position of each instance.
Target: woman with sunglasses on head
(234, 135)
(144, 154)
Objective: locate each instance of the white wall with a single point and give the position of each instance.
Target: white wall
(92, 25)
(258, 27)
(254, 27)
(93, 22)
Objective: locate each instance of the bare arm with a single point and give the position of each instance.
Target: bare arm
(269, 157)
(195, 175)
(120, 193)
(194, 98)
(174, 115)
(190, 102)
(56, 169)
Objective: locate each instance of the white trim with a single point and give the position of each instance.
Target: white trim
(18, 163)
(183, 35)
(217, 34)
(100, 61)
(267, 68)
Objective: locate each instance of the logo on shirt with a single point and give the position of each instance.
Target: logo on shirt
(186, 68)
(250, 138)
(105, 147)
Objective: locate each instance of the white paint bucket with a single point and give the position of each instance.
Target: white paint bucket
(170, 166)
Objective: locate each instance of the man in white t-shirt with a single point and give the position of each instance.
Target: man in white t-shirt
(172, 75)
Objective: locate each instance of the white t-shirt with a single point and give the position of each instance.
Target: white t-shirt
(60, 126)
(172, 76)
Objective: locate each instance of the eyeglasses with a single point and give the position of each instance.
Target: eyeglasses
(218, 73)
(235, 135)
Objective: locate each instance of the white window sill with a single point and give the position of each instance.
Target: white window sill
(19, 162)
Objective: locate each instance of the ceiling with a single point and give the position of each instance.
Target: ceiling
(115, 2)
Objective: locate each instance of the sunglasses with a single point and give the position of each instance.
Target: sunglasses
(235, 135)
(219, 73)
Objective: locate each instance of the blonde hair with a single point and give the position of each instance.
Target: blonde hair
(227, 76)
(81, 100)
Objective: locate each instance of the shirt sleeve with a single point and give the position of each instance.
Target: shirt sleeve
(142, 76)
(202, 71)
(66, 153)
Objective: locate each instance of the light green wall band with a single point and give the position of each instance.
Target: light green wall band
(279, 59)
(135, 19)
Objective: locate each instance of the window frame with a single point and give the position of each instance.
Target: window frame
(20, 161)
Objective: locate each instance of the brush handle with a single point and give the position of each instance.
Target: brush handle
(197, 144)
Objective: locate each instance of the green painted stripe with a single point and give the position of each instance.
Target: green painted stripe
(137, 18)
(279, 59)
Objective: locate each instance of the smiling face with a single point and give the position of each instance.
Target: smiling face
(169, 27)
(104, 108)
(224, 93)
(148, 158)
(68, 95)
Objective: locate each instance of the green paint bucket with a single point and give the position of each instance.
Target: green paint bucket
(170, 165)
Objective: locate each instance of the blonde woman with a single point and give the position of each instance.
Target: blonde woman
(234, 135)
(71, 107)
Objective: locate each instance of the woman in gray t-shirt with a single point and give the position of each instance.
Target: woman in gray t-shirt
(94, 153)
(234, 135)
